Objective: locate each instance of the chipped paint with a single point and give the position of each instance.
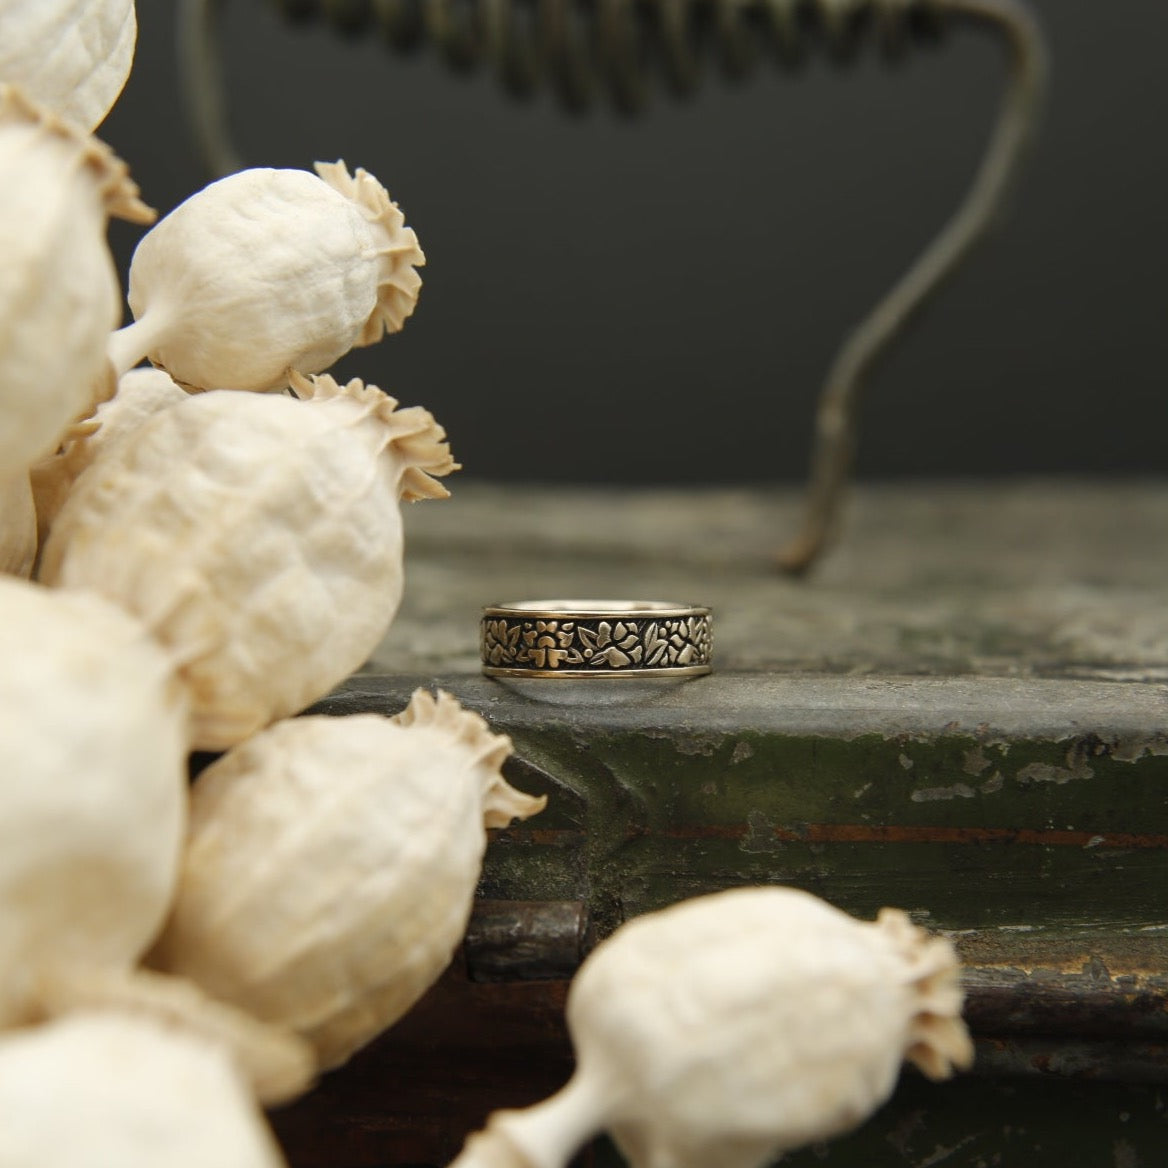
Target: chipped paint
(936, 794)
(693, 743)
(941, 1153)
(992, 741)
(975, 761)
(993, 784)
(704, 745)
(761, 835)
(905, 761)
(862, 791)
(1041, 772)
(1134, 747)
(742, 751)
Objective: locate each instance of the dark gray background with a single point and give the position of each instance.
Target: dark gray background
(657, 300)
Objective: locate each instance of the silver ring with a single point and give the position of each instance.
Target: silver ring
(595, 638)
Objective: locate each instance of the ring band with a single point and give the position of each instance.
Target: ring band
(595, 638)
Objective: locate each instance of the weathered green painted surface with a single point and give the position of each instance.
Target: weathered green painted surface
(948, 797)
(965, 715)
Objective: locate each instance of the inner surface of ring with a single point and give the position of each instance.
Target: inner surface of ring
(592, 606)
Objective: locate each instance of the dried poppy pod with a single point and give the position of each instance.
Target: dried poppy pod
(93, 723)
(71, 56)
(99, 1090)
(259, 537)
(266, 271)
(140, 395)
(18, 526)
(731, 1028)
(277, 1065)
(332, 863)
(59, 292)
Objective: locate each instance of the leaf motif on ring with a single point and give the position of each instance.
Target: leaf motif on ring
(500, 641)
(656, 646)
(612, 657)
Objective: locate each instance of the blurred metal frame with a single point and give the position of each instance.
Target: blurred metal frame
(617, 44)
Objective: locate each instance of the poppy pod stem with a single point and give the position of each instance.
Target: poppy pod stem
(129, 346)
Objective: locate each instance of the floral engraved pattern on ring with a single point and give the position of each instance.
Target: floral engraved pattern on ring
(596, 644)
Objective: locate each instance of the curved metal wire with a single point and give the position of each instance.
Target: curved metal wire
(200, 72)
(834, 442)
(584, 48)
(618, 48)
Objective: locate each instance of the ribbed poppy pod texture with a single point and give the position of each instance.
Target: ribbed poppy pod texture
(140, 395)
(258, 537)
(331, 866)
(276, 1064)
(93, 788)
(105, 1090)
(266, 271)
(734, 1027)
(71, 56)
(59, 292)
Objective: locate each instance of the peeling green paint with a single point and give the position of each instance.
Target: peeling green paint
(653, 802)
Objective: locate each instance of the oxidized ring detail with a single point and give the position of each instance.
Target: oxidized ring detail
(595, 638)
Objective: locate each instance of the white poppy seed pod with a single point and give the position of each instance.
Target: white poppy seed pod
(734, 1027)
(71, 56)
(140, 395)
(258, 537)
(107, 1091)
(266, 271)
(18, 526)
(59, 292)
(331, 866)
(93, 724)
(277, 1065)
